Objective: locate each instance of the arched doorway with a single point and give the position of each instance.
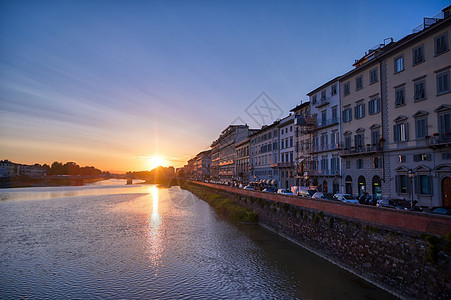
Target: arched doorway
(325, 187)
(446, 192)
(377, 187)
(361, 185)
(335, 186)
(348, 184)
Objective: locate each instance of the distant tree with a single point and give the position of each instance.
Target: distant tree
(71, 168)
(57, 168)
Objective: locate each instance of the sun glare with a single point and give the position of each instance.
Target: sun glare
(156, 161)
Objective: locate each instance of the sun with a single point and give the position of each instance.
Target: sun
(156, 161)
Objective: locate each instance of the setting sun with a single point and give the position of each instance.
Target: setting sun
(156, 161)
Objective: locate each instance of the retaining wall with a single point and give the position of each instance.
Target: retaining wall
(403, 252)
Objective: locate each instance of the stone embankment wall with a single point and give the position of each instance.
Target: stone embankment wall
(405, 253)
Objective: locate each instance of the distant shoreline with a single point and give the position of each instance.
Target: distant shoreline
(46, 182)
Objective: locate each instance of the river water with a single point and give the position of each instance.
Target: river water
(109, 240)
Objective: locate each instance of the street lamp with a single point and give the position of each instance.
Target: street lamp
(411, 174)
(306, 178)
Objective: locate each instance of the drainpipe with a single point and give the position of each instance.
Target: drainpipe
(382, 123)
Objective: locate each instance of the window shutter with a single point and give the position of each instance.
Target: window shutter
(355, 112)
(417, 185)
(398, 183)
(409, 184)
(363, 110)
(407, 131)
(430, 185)
(395, 134)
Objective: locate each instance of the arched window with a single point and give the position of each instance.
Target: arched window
(348, 184)
(377, 187)
(335, 186)
(325, 187)
(361, 185)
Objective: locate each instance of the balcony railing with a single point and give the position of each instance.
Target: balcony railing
(322, 102)
(328, 147)
(288, 164)
(361, 150)
(325, 172)
(439, 140)
(323, 123)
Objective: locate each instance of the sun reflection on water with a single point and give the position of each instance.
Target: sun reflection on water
(154, 236)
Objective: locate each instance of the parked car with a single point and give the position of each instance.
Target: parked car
(441, 211)
(270, 190)
(389, 204)
(326, 196)
(248, 187)
(306, 192)
(347, 198)
(284, 192)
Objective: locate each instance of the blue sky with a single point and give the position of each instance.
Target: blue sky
(111, 83)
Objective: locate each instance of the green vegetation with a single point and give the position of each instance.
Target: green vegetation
(224, 205)
(433, 247)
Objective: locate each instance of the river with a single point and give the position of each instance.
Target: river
(116, 241)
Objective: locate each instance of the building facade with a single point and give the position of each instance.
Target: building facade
(286, 161)
(243, 160)
(303, 123)
(325, 154)
(264, 155)
(418, 111)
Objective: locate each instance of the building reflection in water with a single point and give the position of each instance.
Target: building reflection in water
(154, 234)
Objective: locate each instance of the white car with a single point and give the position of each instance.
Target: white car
(347, 198)
(284, 192)
(248, 187)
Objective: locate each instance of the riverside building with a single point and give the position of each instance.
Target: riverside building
(264, 155)
(325, 164)
(286, 161)
(303, 124)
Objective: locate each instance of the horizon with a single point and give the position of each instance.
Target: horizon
(142, 83)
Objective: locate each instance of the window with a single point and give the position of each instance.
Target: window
(323, 117)
(400, 132)
(291, 141)
(313, 99)
(422, 157)
(373, 76)
(443, 83)
(441, 44)
(418, 55)
(347, 115)
(334, 139)
(377, 162)
(399, 97)
(348, 142)
(421, 127)
(402, 159)
(446, 155)
(359, 163)
(359, 140)
(323, 95)
(324, 163)
(334, 114)
(402, 184)
(375, 136)
(423, 184)
(333, 90)
(399, 64)
(348, 164)
(444, 122)
(420, 91)
(334, 164)
(374, 106)
(324, 141)
(346, 88)
(359, 83)
(359, 110)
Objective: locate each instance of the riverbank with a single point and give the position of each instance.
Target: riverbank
(47, 181)
(408, 263)
(222, 204)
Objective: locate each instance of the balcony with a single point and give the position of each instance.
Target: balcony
(321, 148)
(328, 122)
(439, 140)
(288, 164)
(361, 150)
(322, 102)
(324, 172)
